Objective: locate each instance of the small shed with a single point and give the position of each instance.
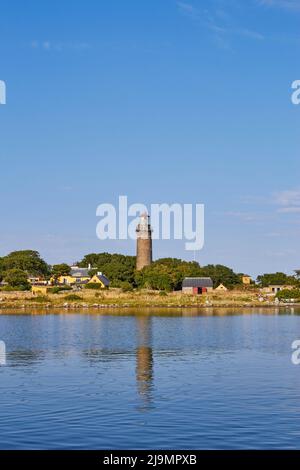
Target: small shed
(197, 285)
(40, 289)
(222, 288)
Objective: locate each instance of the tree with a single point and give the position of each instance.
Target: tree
(118, 268)
(221, 275)
(60, 270)
(166, 274)
(1, 270)
(17, 278)
(276, 279)
(28, 261)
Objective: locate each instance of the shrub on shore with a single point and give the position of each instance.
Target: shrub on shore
(126, 286)
(57, 289)
(14, 289)
(163, 293)
(72, 297)
(41, 299)
(93, 286)
(288, 294)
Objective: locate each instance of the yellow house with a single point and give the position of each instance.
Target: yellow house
(99, 278)
(246, 280)
(76, 276)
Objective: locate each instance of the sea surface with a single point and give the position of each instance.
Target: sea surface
(219, 379)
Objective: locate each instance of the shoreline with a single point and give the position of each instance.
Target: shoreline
(115, 299)
(62, 309)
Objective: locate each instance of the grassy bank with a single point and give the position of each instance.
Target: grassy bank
(115, 298)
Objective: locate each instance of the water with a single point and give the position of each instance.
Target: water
(176, 380)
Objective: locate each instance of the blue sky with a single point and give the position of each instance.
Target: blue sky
(163, 101)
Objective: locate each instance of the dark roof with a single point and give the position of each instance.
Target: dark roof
(103, 279)
(197, 282)
(80, 272)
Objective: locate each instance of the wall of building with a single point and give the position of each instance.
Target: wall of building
(187, 290)
(144, 253)
(190, 290)
(144, 243)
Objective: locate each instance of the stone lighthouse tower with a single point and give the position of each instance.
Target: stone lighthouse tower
(144, 243)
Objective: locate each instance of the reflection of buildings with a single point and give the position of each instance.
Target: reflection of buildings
(144, 357)
(110, 348)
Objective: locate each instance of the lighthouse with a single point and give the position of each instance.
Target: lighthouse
(144, 243)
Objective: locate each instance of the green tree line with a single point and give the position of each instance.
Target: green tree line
(164, 274)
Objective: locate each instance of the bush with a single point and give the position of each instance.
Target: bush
(72, 297)
(9, 289)
(93, 285)
(98, 295)
(163, 293)
(57, 289)
(15, 289)
(287, 294)
(40, 299)
(126, 287)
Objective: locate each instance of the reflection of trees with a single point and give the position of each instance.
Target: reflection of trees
(103, 355)
(25, 357)
(144, 358)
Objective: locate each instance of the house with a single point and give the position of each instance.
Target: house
(76, 276)
(37, 281)
(246, 280)
(99, 278)
(197, 285)
(274, 289)
(222, 288)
